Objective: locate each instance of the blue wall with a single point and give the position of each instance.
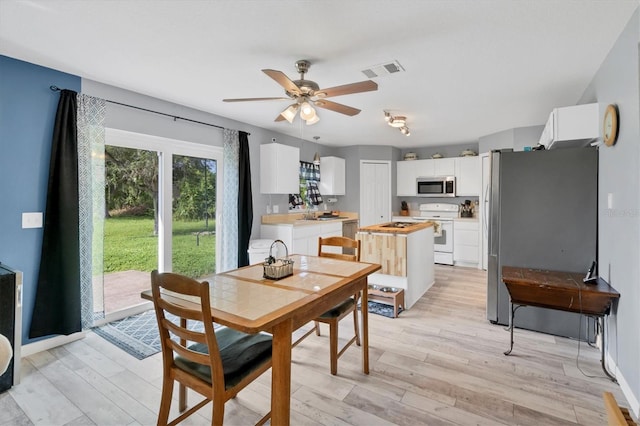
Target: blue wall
(27, 113)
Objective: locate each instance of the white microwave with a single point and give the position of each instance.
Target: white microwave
(439, 186)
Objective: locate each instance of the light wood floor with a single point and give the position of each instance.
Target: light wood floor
(440, 363)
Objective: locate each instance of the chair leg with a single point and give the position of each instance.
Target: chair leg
(217, 416)
(317, 328)
(356, 326)
(333, 346)
(165, 401)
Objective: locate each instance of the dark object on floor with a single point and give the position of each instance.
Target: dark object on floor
(382, 309)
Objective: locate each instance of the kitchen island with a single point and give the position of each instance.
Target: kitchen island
(405, 252)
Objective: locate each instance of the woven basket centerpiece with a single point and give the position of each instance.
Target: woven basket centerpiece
(275, 269)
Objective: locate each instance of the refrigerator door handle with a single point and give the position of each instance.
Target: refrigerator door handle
(485, 207)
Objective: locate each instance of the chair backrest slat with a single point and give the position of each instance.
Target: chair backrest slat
(193, 356)
(343, 242)
(185, 333)
(186, 286)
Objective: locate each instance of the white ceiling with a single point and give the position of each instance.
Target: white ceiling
(473, 67)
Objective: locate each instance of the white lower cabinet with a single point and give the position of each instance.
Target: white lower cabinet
(466, 242)
(302, 238)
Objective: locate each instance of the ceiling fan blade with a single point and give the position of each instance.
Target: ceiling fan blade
(279, 118)
(334, 106)
(283, 80)
(361, 86)
(256, 99)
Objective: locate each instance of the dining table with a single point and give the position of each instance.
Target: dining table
(245, 300)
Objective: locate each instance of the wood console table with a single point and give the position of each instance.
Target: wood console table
(563, 291)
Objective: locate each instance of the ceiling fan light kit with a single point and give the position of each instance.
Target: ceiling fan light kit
(313, 120)
(290, 113)
(308, 94)
(306, 111)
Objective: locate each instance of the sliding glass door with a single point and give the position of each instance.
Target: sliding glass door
(161, 198)
(193, 237)
(130, 225)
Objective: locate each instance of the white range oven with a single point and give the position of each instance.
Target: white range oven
(442, 214)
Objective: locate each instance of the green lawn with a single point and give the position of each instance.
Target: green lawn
(129, 243)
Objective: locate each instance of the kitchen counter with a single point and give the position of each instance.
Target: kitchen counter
(391, 228)
(297, 219)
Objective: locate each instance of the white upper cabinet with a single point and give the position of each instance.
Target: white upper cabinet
(572, 126)
(408, 171)
(444, 167)
(406, 174)
(279, 169)
(332, 176)
(467, 176)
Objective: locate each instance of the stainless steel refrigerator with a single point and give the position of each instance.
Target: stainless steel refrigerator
(542, 215)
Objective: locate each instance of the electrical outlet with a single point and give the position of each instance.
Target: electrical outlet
(32, 220)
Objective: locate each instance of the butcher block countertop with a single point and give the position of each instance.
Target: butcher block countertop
(297, 219)
(393, 228)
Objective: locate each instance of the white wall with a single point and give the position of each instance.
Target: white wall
(515, 139)
(619, 228)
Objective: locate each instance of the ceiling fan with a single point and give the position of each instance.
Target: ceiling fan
(307, 94)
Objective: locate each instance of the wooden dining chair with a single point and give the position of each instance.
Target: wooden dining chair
(333, 316)
(215, 363)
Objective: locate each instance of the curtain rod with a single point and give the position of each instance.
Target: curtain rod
(175, 117)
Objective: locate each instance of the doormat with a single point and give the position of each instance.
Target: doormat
(138, 334)
(382, 309)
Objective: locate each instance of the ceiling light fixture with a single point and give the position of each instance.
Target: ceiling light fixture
(307, 112)
(316, 157)
(398, 121)
(313, 120)
(290, 113)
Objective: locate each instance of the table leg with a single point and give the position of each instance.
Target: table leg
(281, 374)
(511, 316)
(602, 345)
(364, 310)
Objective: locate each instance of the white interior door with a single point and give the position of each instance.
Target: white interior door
(375, 192)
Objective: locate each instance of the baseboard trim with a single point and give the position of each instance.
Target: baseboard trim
(634, 404)
(50, 343)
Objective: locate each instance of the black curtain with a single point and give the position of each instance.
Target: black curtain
(57, 305)
(245, 200)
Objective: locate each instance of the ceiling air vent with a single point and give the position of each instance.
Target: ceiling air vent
(382, 70)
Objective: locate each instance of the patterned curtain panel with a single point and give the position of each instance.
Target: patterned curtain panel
(228, 229)
(91, 178)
